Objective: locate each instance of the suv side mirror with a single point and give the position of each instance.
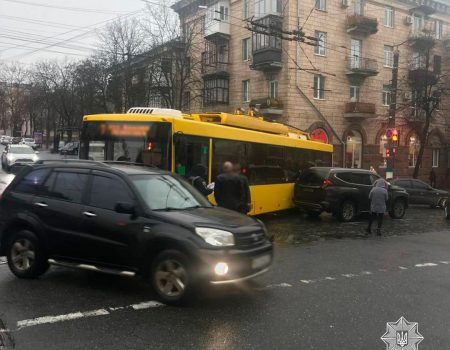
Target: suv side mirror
(124, 208)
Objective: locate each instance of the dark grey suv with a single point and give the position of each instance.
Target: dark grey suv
(343, 192)
(126, 220)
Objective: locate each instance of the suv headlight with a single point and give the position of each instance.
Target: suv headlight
(215, 237)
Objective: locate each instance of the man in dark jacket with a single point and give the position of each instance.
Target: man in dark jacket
(197, 179)
(231, 190)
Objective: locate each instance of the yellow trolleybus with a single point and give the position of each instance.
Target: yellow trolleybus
(270, 154)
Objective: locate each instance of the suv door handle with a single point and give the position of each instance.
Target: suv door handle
(89, 214)
(41, 204)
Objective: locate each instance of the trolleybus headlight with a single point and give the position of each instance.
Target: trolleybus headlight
(215, 237)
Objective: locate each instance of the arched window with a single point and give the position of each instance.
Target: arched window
(414, 146)
(319, 134)
(435, 143)
(353, 149)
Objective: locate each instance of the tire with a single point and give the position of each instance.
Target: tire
(398, 209)
(26, 256)
(442, 202)
(347, 211)
(171, 277)
(447, 212)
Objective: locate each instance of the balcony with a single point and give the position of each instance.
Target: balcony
(355, 110)
(217, 20)
(218, 69)
(421, 41)
(419, 75)
(268, 59)
(362, 25)
(361, 68)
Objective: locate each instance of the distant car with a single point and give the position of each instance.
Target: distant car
(343, 192)
(18, 155)
(422, 193)
(70, 148)
(127, 220)
(16, 140)
(5, 140)
(29, 142)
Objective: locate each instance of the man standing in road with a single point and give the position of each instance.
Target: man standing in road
(231, 190)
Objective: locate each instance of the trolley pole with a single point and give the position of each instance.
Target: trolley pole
(391, 121)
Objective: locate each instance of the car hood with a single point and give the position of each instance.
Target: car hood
(209, 217)
(441, 192)
(15, 156)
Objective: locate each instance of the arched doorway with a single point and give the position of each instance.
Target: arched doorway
(353, 149)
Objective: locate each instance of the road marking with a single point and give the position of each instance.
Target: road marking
(2, 261)
(403, 268)
(426, 265)
(348, 275)
(445, 262)
(307, 281)
(82, 314)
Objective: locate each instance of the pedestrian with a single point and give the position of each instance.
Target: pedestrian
(197, 178)
(372, 169)
(378, 197)
(432, 178)
(230, 191)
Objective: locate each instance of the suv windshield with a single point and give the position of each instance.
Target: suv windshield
(21, 150)
(166, 192)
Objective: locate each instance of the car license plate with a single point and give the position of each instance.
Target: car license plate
(260, 261)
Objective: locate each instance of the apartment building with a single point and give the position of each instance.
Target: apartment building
(334, 79)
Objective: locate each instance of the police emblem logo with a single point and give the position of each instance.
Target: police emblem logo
(402, 335)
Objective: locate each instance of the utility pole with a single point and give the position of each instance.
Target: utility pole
(391, 122)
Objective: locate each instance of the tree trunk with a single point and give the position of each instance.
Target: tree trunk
(423, 143)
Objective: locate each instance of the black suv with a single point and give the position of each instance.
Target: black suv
(343, 192)
(128, 220)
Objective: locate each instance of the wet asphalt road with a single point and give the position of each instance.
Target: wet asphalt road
(330, 287)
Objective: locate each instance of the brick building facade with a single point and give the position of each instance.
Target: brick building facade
(339, 89)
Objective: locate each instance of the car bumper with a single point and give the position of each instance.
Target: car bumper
(313, 206)
(242, 264)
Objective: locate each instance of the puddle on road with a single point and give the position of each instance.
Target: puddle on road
(293, 227)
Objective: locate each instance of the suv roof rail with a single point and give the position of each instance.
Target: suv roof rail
(127, 163)
(77, 161)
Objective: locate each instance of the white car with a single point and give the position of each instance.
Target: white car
(17, 155)
(29, 142)
(5, 140)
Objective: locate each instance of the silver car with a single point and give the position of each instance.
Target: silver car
(17, 155)
(29, 142)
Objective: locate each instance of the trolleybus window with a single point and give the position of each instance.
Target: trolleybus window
(136, 142)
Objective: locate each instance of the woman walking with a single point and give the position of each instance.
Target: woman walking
(378, 198)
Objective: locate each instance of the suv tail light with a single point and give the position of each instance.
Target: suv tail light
(327, 183)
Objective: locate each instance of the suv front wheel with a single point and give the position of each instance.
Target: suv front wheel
(26, 257)
(171, 277)
(347, 211)
(398, 209)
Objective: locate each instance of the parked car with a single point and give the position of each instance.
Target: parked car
(343, 192)
(422, 193)
(29, 142)
(127, 220)
(447, 210)
(18, 155)
(5, 140)
(69, 148)
(16, 140)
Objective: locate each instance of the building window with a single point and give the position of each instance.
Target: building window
(435, 157)
(203, 24)
(418, 60)
(319, 87)
(246, 49)
(216, 91)
(388, 56)
(321, 37)
(414, 146)
(246, 9)
(246, 90)
(321, 5)
(383, 147)
(387, 95)
(417, 24)
(273, 89)
(267, 7)
(357, 7)
(437, 29)
(319, 134)
(187, 30)
(354, 93)
(263, 41)
(389, 17)
(223, 13)
(353, 150)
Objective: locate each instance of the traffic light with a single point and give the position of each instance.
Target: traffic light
(388, 152)
(392, 135)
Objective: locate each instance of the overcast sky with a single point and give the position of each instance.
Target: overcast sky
(70, 26)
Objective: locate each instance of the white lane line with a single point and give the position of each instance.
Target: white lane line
(329, 278)
(445, 262)
(272, 286)
(403, 268)
(348, 275)
(2, 261)
(426, 265)
(366, 273)
(307, 281)
(83, 314)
